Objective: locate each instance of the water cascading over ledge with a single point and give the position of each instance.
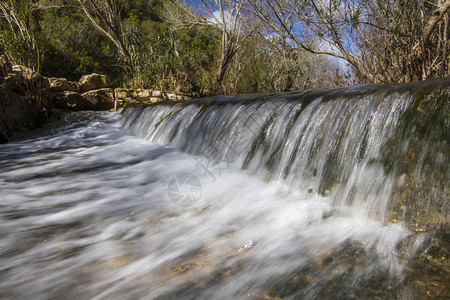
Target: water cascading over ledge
(283, 196)
(380, 151)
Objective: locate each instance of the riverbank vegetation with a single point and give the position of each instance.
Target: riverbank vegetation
(230, 46)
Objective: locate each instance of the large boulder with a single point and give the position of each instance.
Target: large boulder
(17, 114)
(34, 84)
(13, 83)
(23, 99)
(68, 100)
(94, 82)
(61, 85)
(99, 99)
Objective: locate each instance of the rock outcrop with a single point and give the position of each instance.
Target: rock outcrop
(94, 82)
(26, 96)
(68, 100)
(62, 85)
(5, 67)
(23, 99)
(131, 97)
(91, 92)
(95, 92)
(100, 99)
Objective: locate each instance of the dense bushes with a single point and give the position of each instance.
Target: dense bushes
(58, 39)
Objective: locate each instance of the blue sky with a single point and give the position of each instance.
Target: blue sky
(193, 3)
(341, 63)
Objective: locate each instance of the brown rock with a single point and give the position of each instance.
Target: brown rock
(14, 113)
(19, 113)
(23, 99)
(68, 100)
(94, 82)
(74, 85)
(130, 97)
(100, 99)
(33, 84)
(14, 82)
(155, 99)
(156, 93)
(144, 94)
(60, 85)
(173, 97)
(123, 93)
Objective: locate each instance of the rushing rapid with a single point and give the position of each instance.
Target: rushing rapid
(297, 195)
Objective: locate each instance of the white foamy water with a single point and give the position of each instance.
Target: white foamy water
(91, 211)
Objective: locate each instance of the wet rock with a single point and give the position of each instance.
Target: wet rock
(420, 195)
(427, 270)
(94, 82)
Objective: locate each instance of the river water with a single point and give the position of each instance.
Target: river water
(219, 199)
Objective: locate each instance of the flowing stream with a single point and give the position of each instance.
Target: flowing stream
(330, 194)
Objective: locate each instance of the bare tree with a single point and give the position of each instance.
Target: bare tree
(15, 18)
(235, 26)
(315, 26)
(105, 16)
(384, 40)
(230, 20)
(439, 17)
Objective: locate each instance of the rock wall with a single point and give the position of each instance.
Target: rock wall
(130, 97)
(91, 92)
(96, 92)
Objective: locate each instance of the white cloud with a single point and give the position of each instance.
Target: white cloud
(218, 19)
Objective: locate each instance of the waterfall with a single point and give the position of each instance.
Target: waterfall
(328, 194)
(353, 145)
